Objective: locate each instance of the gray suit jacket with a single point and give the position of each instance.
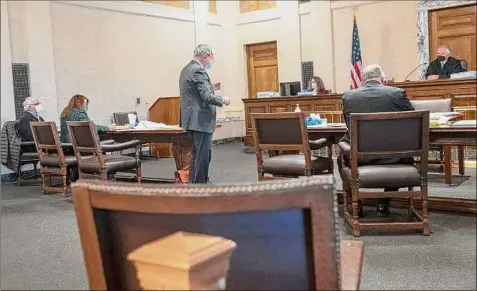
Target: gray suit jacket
(373, 97)
(198, 101)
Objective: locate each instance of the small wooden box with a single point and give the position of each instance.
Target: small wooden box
(183, 261)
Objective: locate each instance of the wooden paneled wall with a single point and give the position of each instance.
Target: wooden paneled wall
(185, 4)
(249, 6)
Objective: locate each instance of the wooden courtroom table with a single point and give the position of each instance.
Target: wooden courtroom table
(181, 147)
(458, 135)
(463, 92)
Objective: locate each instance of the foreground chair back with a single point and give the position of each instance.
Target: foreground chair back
(93, 162)
(53, 160)
(286, 231)
(285, 132)
(378, 136)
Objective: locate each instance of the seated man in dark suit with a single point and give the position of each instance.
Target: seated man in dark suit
(372, 97)
(444, 65)
(32, 109)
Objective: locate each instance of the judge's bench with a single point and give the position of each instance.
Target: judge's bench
(462, 91)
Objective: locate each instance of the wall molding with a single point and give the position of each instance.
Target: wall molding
(259, 16)
(423, 8)
(136, 8)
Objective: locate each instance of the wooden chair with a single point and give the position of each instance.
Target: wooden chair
(285, 132)
(27, 156)
(86, 142)
(286, 231)
(435, 106)
(53, 160)
(386, 136)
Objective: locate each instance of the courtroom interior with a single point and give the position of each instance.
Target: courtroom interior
(239, 144)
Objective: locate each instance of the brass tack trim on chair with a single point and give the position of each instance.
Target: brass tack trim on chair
(204, 190)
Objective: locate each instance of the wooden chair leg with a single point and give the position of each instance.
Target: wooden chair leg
(425, 213)
(139, 174)
(43, 178)
(355, 212)
(410, 212)
(65, 182)
(447, 165)
(460, 157)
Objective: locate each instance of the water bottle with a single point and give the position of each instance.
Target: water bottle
(297, 109)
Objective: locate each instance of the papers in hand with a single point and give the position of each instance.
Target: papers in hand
(145, 124)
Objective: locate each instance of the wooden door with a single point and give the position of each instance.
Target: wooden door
(454, 27)
(262, 68)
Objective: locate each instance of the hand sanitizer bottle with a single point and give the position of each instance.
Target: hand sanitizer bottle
(297, 109)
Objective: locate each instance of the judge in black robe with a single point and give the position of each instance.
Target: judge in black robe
(451, 66)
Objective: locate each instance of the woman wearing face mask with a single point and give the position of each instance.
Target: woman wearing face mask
(33, 111)
(76, 110)
(317, 86)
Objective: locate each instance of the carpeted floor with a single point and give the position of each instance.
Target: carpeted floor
(41, 248)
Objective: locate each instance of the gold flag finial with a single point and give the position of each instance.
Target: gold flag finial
(354, 9)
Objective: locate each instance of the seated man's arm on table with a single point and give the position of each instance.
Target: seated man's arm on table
(205, 89)
(81, 115)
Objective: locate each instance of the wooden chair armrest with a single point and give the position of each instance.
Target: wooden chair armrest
(351, 261)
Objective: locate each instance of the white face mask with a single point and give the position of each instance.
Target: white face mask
(40, 110)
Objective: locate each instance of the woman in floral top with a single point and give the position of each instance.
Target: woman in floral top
(75, 111)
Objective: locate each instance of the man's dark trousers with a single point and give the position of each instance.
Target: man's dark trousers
(201, 156)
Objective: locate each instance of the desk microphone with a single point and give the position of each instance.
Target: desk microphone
(405, 79)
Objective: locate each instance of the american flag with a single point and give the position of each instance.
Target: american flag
(356, 75)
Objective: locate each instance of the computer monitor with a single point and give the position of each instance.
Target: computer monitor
(290, 88)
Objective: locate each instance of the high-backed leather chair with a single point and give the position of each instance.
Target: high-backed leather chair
(27, 156)
(86, 142)
(53, 160)
(464, 64)
(286, 231)
(378, 136)
(285, 132)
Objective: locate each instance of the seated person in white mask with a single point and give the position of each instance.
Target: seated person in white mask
(33, 109)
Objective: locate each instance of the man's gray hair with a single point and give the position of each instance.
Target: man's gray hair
(203, 50)
(372, 71)
(447, 49)
(29, 101)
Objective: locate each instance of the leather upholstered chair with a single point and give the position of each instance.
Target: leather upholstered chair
(86, 143)
(285, 132)
(287, 232)
(398, 137)
(27, 156)
(436, 106)
(56, 158)
(464, 64)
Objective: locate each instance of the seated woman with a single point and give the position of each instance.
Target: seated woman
(75, 111)
(317, 86)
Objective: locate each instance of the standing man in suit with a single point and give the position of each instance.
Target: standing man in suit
(198, 110)
(372, 97)
(444, 65)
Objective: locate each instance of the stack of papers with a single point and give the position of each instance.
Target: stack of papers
(144, 124)
(465, 123)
